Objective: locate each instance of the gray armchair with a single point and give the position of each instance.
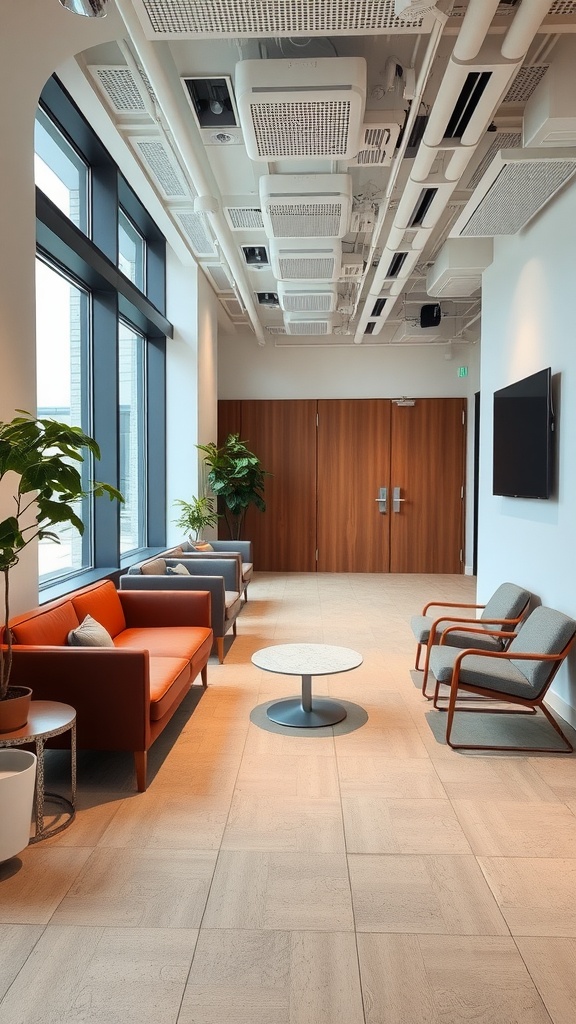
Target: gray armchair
(521, 675)
(218, 576)
(239, 549)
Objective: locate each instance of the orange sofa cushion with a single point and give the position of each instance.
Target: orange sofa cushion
(165, 641)
(45, 627)
(101, 601)
(168, 676)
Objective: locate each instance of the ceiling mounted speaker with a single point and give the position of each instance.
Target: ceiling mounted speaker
(430, 315)
(88, 8)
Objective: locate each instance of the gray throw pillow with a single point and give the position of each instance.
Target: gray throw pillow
(90, 634)
(177, 570)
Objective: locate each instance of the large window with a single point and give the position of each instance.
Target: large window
(101, 338)
(62, 346)
(132, 436)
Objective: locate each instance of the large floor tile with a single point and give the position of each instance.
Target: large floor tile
(551, 965)
(374, 824)
(18, 941)
(536, 896)
(290, 823)
(281, 891)
(165, 819)
(30, 894)
(389, 777)
(275, 776)
(442, 979)
(273, 976)
(496, 780)
(140, 888)
(516, 830)
(95, 975)
(436, 894)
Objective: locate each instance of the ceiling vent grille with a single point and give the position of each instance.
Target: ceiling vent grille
(119, 86)
(193, 226)
(306, 205)
(466, 104)
(301, 109)
(517, 185)
(234, 309)
(219, 278)
(308, 326)
(563, 7)
(502, 140)
(159, 161)
(305, 260)
(378, 141)
(300, 300)
(281, 17)
(244, 218)
(396, 264)
(528, 77)
(276, 330)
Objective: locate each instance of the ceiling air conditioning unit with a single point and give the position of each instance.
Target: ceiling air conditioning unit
(305, 259)
(306, 205)
(301, 299)
(459, 267)
(301, 109)
(308, 326)
(518, 183)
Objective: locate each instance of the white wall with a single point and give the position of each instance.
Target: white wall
(528, 324)
(247, 370)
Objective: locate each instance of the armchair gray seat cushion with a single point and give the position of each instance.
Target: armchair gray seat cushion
(218, 576)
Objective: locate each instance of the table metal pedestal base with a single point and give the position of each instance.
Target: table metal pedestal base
(291, 712)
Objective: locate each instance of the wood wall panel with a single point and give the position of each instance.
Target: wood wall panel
(353, 463)
(229, 419)
(283, 435)
(428, 458)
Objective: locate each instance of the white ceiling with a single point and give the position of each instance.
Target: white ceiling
(210, 187)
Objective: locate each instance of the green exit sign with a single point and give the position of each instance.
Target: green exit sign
(462, 371)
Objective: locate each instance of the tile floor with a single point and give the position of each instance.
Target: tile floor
(365, 874)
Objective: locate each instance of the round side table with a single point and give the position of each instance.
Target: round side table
(47, 718)
(306, 660)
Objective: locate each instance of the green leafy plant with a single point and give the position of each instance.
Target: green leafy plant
(38, 470)
(236, 477)
(196, 515)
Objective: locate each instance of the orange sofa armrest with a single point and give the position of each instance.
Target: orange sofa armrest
(110, 689)
(149, 608)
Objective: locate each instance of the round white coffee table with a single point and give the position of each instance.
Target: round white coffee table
(306, 660)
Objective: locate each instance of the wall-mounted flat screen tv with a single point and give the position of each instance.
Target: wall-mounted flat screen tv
(524, 438)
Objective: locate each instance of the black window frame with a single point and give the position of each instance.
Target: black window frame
(92, 262)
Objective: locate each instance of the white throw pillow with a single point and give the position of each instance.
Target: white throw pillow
(90, 633)
(177, 570)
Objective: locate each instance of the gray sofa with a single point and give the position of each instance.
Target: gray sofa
(242, 549)
(220, 576)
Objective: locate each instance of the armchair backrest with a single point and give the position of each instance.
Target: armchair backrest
(507, 602)
(545, 631)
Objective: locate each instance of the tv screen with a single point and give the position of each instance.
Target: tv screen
(523, 438)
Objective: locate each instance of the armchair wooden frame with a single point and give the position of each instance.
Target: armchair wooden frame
(530, 704)
(468, 621)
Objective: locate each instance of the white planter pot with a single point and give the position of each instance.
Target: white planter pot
(17, 779)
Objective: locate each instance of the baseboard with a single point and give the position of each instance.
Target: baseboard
(468, 570)
(564, 710)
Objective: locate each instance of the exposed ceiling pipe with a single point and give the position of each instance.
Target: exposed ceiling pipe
(524, 27)
(473, 32)
(189, 143)
(433, 44)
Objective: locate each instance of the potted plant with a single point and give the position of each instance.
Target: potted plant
(38, 470)
(195, 516)
(237, 478)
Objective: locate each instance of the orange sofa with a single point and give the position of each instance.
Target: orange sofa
(124, 695)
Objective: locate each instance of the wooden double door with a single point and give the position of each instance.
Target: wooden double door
(356, 485)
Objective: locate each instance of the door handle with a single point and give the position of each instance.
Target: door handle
(396, 499)
(382, 500)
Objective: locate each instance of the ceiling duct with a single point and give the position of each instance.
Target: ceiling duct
(459, 267)
(308, 326)
(306, 205)
(237, 18)
(296, 299)
(305, 259)
(324, 98)
(518, 183)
